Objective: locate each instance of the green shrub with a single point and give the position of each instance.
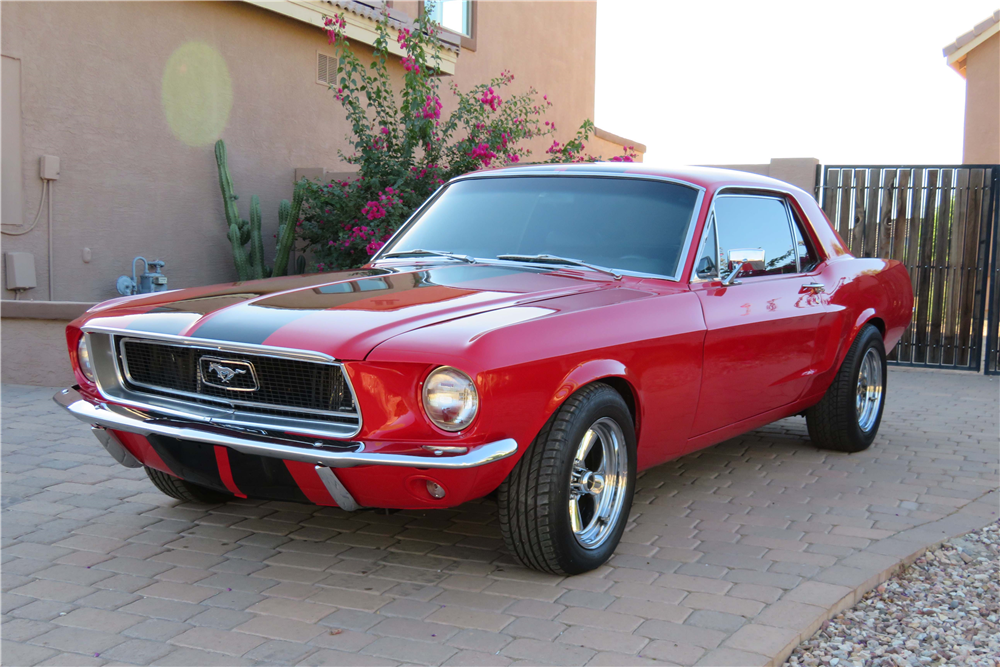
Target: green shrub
(404, 149)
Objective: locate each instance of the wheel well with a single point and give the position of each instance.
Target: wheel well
(622, 386)
(878, 324)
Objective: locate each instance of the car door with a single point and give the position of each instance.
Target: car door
(761, 341)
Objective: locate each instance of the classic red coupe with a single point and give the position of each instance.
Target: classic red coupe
(544, 332)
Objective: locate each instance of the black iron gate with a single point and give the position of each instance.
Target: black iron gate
(942, 223)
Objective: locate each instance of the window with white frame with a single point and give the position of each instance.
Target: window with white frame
(454, 15)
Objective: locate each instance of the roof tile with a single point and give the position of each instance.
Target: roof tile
(972, 34)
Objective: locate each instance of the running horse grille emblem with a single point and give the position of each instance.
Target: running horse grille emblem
(228, 374)
(224, 372)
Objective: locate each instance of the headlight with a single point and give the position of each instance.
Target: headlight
(83, 358)
(450, 398)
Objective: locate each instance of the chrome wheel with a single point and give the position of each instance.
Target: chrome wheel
(869, 393)
(598, 483)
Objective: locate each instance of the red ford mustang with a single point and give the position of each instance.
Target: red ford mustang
(544, 332)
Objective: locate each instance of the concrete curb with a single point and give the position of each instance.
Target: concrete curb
(980, 512)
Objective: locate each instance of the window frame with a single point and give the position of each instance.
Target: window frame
(791, 217)
(467, 41)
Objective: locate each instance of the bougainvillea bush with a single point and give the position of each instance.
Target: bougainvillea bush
(404, 148)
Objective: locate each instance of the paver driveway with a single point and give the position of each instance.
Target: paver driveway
(731, 556)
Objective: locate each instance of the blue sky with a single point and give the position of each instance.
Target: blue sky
(726, 82)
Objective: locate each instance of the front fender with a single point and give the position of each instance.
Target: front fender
(584, 374)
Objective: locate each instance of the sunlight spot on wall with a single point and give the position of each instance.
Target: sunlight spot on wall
(196, 93)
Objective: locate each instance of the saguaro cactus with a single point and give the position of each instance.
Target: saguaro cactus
(286, 229)
(250, 265)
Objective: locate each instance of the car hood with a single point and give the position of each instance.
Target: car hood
(344, 314)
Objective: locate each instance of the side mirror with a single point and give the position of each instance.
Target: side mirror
(740, 256)
(743, 260)
(739, 268)
(705, 268)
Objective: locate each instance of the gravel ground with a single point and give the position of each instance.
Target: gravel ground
(942, 610)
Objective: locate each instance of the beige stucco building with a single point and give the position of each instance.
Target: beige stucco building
(976, 56)
(130, 97)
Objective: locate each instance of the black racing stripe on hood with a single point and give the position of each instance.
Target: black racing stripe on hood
(246, 324)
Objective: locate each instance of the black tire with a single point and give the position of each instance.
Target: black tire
(834, 421)
(533, 502)
(175, 487)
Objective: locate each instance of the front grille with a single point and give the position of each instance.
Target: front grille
(256, 383)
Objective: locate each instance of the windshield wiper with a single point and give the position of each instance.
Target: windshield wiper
(555, 259)
(435, 253)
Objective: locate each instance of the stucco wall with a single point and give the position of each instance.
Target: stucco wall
(982, 103)
(34, 352)
(91, 94)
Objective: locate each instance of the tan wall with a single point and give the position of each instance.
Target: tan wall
(799, 171)
(91, 94)
(34, 352)
(982, 103)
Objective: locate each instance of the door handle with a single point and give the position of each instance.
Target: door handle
(815, 287)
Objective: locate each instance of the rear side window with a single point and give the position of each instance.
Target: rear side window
(754, 229)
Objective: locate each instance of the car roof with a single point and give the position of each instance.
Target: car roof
(706, 177)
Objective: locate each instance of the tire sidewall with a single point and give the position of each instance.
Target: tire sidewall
(572, 554)
(869, 338)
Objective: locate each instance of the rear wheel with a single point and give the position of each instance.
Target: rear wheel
(175, 487)
(848, 416)
(564, 506)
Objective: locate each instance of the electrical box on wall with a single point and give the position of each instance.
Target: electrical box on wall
(20, 271)
(49, 168)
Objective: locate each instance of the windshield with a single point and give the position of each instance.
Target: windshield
(623, 223)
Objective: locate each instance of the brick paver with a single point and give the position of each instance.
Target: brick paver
(731, 556)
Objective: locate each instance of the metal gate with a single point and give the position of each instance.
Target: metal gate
(941, 222)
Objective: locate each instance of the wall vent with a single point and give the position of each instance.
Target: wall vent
(326, 69)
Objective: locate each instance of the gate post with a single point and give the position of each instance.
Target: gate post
(991, 291)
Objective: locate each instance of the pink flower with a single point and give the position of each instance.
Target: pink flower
(374, 247)
(384, 130)
(513, 158)
(401, 38)
(490, 99)
(334, 27)
(431, 109)
(483, 153)
(373, 211)
(410, 64)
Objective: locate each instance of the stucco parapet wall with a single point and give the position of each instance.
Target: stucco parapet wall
(615, 139)
(361, 19)
(43, 310)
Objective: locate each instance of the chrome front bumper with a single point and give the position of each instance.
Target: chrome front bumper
(331, 454)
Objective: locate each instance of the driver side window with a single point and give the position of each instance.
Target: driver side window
(754, 229)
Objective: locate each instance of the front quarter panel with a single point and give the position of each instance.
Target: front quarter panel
(527, 367)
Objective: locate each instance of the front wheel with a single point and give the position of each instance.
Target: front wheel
(849, 414)
(564, 506)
